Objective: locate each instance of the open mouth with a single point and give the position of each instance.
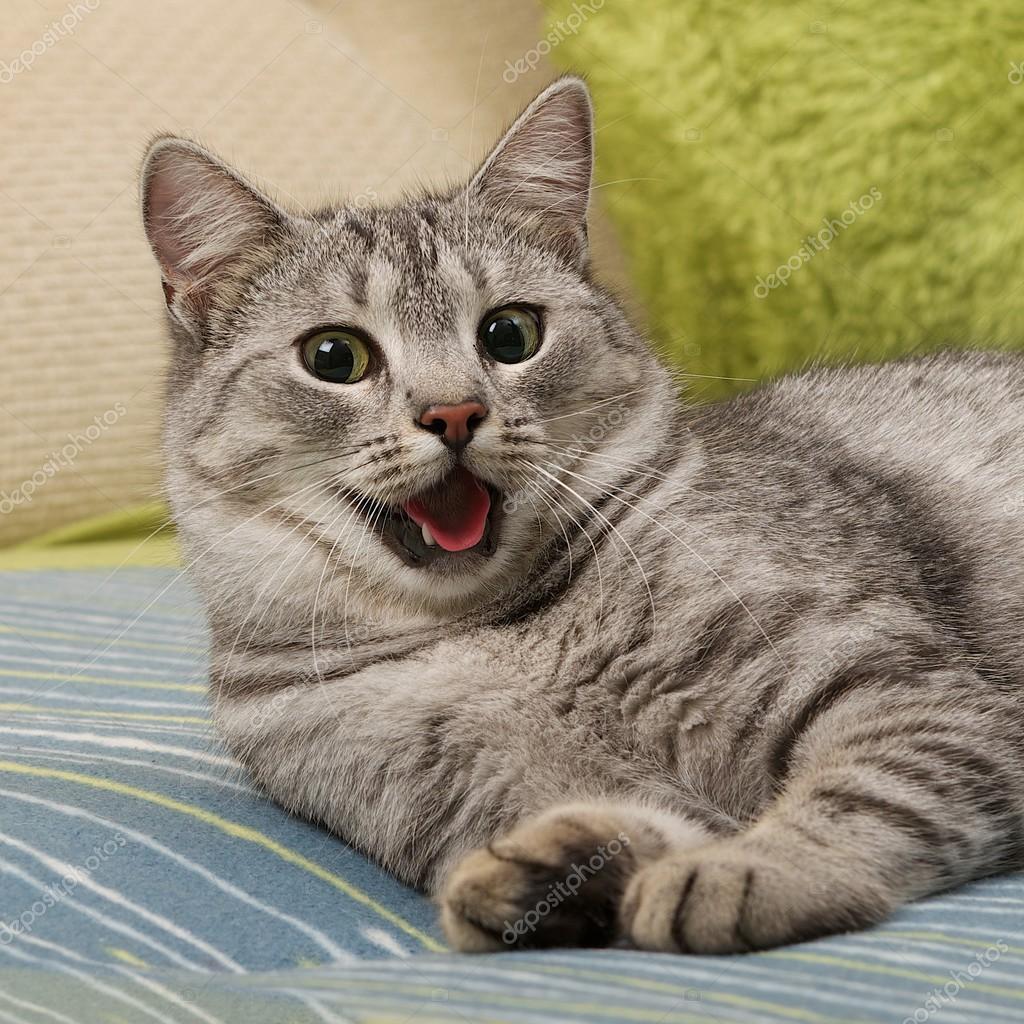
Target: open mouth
(456, 518)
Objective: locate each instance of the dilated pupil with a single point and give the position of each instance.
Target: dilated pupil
(334, 359)
(505, 339)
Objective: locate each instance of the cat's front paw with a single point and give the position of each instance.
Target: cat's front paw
(555, 880)
(732, 897)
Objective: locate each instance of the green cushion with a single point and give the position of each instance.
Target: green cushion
(729, 133)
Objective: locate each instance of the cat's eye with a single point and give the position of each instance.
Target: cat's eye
(510, 334)
(336, 355)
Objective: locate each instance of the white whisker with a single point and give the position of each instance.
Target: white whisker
(714, 572)
(615, 529)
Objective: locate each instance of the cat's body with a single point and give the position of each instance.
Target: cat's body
(763, 656)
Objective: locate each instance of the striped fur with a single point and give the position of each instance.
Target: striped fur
(774, 643)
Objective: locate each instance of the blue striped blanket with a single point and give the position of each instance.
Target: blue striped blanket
(141, 879)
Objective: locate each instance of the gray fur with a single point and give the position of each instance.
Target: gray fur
(775, 642)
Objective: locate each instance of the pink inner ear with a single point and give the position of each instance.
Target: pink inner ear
(161, 200)
(200, 218)
(544, 162)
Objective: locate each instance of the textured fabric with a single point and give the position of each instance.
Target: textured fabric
(319, 100)
(141, 879)
(729, 133)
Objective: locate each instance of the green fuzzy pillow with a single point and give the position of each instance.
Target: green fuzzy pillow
(797, 183)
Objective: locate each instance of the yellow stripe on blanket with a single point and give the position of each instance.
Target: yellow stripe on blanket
(893, 972)
(56, 634)
(70, 677)
(234, 829)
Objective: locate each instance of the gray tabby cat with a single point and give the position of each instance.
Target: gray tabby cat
(490, 602)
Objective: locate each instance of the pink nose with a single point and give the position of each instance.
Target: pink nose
(454, 424)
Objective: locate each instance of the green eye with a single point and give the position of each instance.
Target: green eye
(338, 356)
(510, 335)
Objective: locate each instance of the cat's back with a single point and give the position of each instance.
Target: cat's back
(958, 411)
(909, 474)
(946, 421)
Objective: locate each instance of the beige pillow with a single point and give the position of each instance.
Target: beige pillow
(321, 100)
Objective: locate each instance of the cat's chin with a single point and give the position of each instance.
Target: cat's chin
(402, 536)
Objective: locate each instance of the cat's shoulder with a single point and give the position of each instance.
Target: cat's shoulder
(980, 379)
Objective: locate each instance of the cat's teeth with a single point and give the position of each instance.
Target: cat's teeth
(428, 537)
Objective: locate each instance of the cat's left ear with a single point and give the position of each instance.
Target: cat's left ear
(542, 167)
(204, 223)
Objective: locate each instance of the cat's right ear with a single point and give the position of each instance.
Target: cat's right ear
(203, 221)
(543, 165)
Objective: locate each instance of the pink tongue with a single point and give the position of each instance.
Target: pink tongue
(455, 511)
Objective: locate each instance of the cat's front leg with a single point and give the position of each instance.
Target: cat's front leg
(415, 761)
(594, 873)
(879, 806)
(764, 889)
(887, 793)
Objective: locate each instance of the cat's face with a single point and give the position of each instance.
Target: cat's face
(391, 401)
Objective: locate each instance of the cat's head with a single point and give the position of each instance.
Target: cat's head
(391, 403)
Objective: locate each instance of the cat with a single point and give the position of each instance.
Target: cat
(587, 663)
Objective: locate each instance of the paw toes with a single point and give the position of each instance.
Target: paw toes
(555, 881)
(483, 894)
(693, 904)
